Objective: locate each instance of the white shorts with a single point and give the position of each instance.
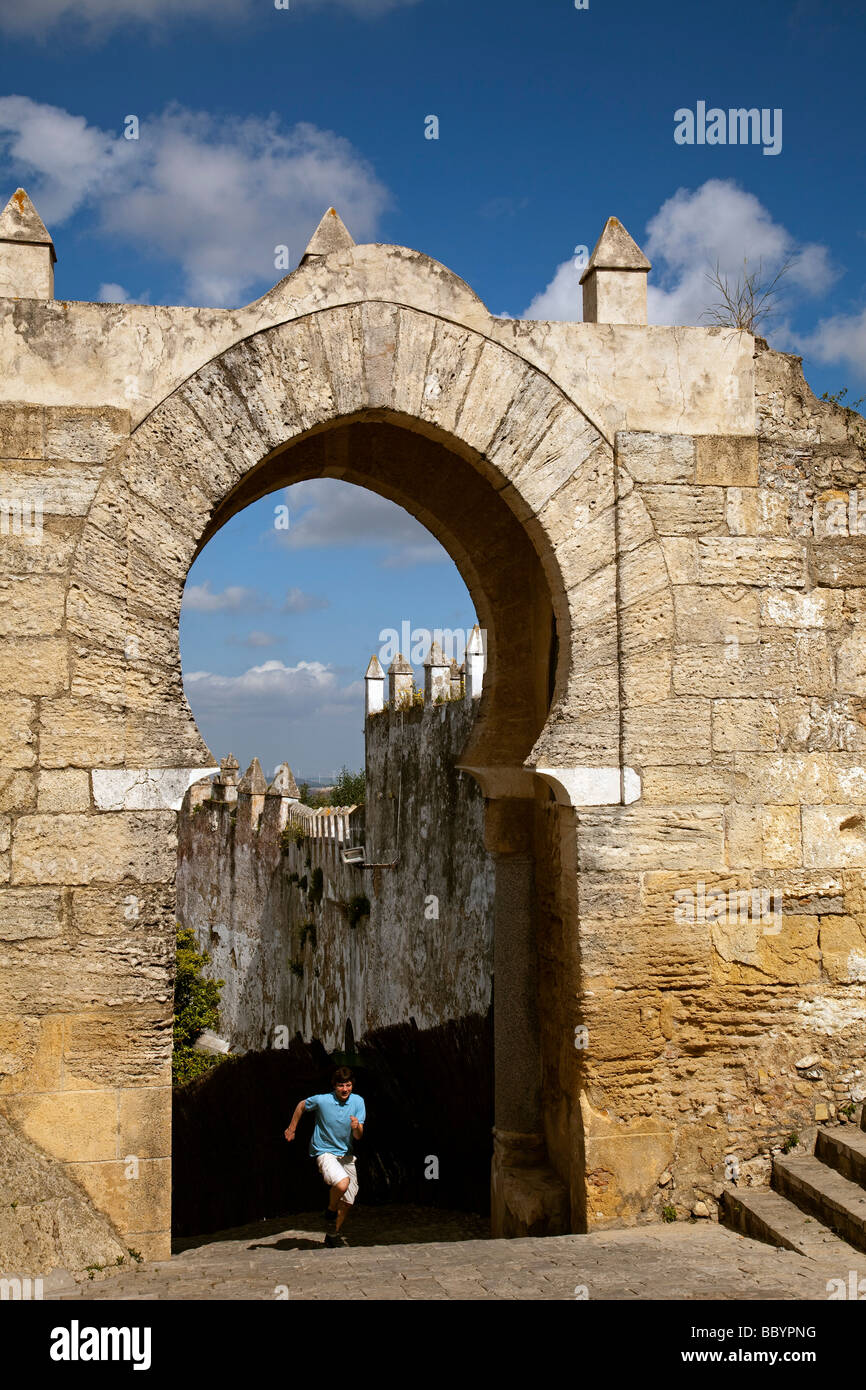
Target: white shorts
(334, 1169)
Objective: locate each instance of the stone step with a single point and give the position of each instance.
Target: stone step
(844, 1150)
(823, 1193)
(766, 1215)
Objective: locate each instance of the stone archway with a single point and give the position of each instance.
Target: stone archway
(517, 484)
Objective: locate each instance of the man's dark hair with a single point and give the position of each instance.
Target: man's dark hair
(342, 1074)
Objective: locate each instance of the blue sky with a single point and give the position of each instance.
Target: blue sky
(254, 119)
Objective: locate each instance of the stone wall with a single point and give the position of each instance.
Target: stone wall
(291, 961)
(722, 929)
(671, 502)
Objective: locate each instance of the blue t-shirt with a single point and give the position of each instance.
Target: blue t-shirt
(333, 1132)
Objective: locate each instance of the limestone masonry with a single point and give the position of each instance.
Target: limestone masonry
(664, 536)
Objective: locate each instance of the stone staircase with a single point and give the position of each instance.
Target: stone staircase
(817, 1202)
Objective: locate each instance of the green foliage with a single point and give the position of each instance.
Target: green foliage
(669, 1213)
(358, 907)
(135, 1254)
(292, 835)
(790, 1143)
(317, 886)
(196, 1007)
(350, 788)
(304, 793)
(309, 930)
(838, 398)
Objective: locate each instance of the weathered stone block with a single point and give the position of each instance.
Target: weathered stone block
(17, 739)
(834, 836)
(639, 837)
(685, 511)
(843, 949)
(716, 615)
(99, 848)
(670, 731)
(70, 1125)
(687, 784)
(657, 458)
(144, 1122)
(33, 666)
(817, 608)
(839, 564)
(780, 837)
(745, 724)
(765, 561)
(29, 912)
(726, 459)
(66, 789)
(136, 1204)
(31, 606)
(65, 490)
(785, 779)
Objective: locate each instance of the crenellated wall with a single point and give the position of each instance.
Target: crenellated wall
(289, 952)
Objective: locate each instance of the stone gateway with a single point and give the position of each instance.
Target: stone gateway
(654, 524)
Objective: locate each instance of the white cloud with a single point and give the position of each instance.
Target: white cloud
(198, 598)
(256, 638)
(110, 293)
(214, 195)
(718, 223)
(326, 512)
(292, 692)
(296, 601)
(37, 18)
(842, 339)
(563, 298)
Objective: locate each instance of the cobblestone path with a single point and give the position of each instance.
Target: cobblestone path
(419, 1253)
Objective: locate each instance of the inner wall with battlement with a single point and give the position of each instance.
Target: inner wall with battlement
(298, 954)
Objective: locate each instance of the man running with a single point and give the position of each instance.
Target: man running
(340, 1118)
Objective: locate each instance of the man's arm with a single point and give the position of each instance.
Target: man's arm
(299, 1110)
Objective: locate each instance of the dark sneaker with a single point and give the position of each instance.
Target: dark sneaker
(330, 1216)
(334, 1242)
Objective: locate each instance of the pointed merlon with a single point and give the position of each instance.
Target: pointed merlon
(616, 250)
(284, 783)
(435, 657)
(330, 235)
(253, 781)
(27, 252)
(19, 221)
(374, 671)
(400, 666)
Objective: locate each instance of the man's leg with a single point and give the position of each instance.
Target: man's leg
(348, 1193)
(335, 1204)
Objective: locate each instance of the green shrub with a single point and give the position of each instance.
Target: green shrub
(669, 1213)
(196, 1007)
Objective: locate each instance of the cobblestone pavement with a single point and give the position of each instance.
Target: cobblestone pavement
(412, 1253)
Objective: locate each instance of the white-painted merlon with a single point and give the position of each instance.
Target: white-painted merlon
(593, 786)
(144, 788)
(474, 663)
(375, 686)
